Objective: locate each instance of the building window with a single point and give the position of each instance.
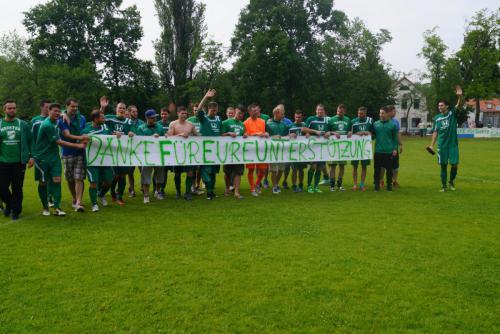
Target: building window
(404, 122)
(415, 122)
(404, 103)
(416, 104)
(404, 87)
(489, 106)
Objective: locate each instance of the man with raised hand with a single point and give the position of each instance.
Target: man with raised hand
(15, 154)
(135, 123)
(255, 127)
(385, 133)
(294, 130)
(35, 125)
(277, 129)
(48, 161)
(100, 178)
(338, 125)
(210, 126)
(197, 184)
(151, 129)
(71, 127)
(118, 124)
(445, 132)
(316, 126)
(232, 173)
(182, 128)
(361, 126)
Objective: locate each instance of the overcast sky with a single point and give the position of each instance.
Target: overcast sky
(406, 20)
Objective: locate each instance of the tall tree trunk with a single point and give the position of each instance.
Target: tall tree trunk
(478, 110)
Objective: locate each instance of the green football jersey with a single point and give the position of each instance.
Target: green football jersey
(340, 125)
(264, 117)
(35, 125)
(10, 141)
(296, 128)
(135, 124)
(234, 126)
(193, 120)
(146, 130)
(118, 124)
(446, 127)
(101, 130)
(361, 125)
(317, 123)
(46, 148)
(386, 136)
(276, 128)
(165, 125)
(209, 126)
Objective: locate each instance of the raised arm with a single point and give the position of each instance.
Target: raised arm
(459, 92)
(210, 93)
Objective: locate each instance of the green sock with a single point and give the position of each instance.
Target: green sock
(42, 193)
(310, 175)
(444, 175)
(121, 187)
(50, 198)
(56, 192)
(453, 173)
(317, 177)
(214, 180)
(93, 195)
(189, 183)
(205, 177)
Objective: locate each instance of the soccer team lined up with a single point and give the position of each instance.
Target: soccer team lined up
(37, 144)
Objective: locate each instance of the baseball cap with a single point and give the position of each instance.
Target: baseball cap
(151, 113)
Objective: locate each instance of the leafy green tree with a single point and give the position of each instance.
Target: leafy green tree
(16, 74)
(479, 57)
(180, 44)
(74, 32)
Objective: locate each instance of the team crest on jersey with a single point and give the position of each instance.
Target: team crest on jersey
(11, 135)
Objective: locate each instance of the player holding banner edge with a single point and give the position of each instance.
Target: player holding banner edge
(445, 132)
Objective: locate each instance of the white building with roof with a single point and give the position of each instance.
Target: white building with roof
(411, 108)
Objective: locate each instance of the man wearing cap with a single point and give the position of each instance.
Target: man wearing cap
(151, 128)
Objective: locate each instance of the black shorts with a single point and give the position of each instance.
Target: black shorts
(183, 169)
(234, 170)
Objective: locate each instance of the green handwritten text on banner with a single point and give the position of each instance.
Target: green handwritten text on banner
(176, 151)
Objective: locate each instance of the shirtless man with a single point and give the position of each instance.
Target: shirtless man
(181, 127)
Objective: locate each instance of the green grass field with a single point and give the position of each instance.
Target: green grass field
(412, 261)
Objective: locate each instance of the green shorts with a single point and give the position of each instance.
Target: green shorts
(99, 175)
(335, 163)
(448, 155)
(46, 170)
(210, 169)
(363, 162)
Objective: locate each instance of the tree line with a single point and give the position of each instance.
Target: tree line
(295, 52)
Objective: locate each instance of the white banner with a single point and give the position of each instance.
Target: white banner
(479, 133)
(177, 151)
